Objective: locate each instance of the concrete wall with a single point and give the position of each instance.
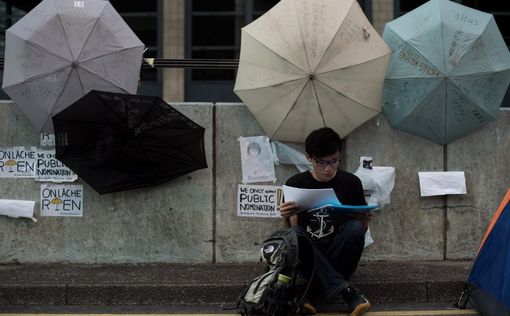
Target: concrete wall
(193, 218)
(237, 238)
(450, 227)
(172, 222)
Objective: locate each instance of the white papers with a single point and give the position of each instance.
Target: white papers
(310, 199)
(307, 199)
(442, 183)
(17, 208)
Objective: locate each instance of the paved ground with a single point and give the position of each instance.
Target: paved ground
(434, 284)
(401, 311)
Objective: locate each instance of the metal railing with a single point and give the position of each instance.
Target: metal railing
(181, 63)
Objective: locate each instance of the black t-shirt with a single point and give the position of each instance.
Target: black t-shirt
(321, 224)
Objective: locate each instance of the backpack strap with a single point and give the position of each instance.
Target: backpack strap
(301, 235)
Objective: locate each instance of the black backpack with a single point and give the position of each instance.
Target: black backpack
(276, 292)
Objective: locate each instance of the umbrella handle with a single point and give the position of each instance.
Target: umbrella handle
(366, 32)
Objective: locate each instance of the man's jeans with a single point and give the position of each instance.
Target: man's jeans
(336, 259)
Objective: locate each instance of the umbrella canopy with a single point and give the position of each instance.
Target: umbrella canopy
(449, 71)
(61, 50)
(308, 64)
(117, 142)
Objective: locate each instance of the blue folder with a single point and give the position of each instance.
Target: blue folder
(346, 208)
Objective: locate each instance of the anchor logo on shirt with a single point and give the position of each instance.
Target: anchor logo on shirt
(322, 230)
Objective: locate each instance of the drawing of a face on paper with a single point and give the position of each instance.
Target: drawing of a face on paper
(253, 149)
(256, 159)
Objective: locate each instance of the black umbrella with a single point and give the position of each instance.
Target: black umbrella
(118, 142)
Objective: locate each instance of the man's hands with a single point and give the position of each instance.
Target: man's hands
(288, 212)
(364, 218)
(287, 209)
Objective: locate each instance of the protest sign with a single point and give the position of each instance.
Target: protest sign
(61, 200)
(17, 162)
(256, 159)
(49, 168)
(47, 139)
(258, 200)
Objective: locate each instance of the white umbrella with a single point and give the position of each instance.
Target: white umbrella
(61, 50)
(307, 64)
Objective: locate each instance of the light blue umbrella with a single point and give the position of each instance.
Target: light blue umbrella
(449, 71)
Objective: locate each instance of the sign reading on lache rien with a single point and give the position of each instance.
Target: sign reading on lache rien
(17, 162)
(61, 200)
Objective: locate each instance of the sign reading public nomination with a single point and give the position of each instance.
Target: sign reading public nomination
(258, 200)
(49, 168)
(61, 200)
(17, 162)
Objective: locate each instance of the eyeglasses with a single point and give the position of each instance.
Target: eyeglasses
(323, 163)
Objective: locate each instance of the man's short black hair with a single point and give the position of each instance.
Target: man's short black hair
(323, 142)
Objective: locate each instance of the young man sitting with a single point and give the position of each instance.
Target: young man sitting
(338, 237)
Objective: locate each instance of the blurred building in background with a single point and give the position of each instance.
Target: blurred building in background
(205, 29)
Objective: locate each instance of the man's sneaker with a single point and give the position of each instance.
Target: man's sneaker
(356, 301)
(307, 308)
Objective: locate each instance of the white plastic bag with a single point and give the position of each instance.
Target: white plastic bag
(378, 183)
(368, 238)
(285, 154)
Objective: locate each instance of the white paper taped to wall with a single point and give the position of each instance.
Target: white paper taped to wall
(17, 208)
(442, 183)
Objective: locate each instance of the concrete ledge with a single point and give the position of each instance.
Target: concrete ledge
(152, 295)
(32, 294)
(208, 284)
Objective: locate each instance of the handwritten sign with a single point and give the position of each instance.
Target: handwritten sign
(461, 17)
(47, 139)
(258, 201)
(61, 200)
(17, 162)
(49, 168)
(256, 159)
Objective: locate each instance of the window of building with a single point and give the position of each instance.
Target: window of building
(10, 13)
(366, 5)
(214, 32)
(404, 6)
(142, 16)
(500, 10)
